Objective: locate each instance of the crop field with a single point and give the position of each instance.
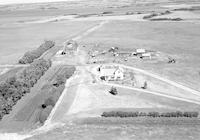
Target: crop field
(115, 128)
(17, 39)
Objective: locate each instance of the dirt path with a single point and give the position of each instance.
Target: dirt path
(195, 92)
(154, 93)
(135, 17)
(90, 30)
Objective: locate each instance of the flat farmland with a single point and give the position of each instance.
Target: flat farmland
(126, 129)
(179, 40)
(16, 39)
(149, 85)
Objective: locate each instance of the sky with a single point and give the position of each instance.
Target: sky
(3, 2)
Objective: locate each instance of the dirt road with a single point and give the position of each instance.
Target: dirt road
(162, 79)
(154, 93)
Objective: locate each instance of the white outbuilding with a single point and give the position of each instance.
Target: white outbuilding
(146, 55)
(140, 51)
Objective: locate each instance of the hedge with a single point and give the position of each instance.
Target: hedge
(30, 56)
(122, 114)
(12, 89)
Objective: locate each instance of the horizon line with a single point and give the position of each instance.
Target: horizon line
(34, 2)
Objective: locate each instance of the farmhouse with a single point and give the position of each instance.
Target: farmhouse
(111, 73)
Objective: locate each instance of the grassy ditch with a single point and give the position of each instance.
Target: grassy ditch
(51, 92)
(13, 88)
(122, 114)
(30, 56)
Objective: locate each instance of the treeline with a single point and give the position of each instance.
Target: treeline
(30, 56)
(194, 8)
(13, 88)
(168, 19)
(122, 114)
(150, 16)
(156, 14)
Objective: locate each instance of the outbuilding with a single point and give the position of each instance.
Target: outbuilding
(146, 55)
(140, 51)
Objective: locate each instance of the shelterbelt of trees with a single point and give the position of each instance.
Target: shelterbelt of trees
(122, 114)
(30, 56)
(13, 88)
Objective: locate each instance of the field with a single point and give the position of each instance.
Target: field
(137, 129)
(82, 99)
(17, 39)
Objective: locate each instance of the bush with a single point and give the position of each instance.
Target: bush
(30, 56)
(113, 91)
(12, 89)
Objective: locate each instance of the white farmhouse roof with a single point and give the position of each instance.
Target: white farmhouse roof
(110, 71)
(140, 50)
(107, 72)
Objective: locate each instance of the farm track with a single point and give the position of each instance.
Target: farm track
(195, 92)
(154, 93)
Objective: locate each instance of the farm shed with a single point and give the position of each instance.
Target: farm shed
(140, 51)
